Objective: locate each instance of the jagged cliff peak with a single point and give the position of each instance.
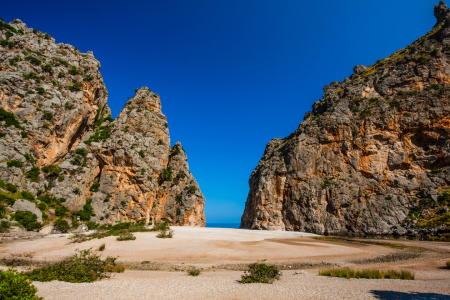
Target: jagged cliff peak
(372, 156)
(59, 143)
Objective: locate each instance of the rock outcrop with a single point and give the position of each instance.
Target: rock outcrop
(58, 140)
(373, 155)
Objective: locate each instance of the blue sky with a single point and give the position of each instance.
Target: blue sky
(232, 74)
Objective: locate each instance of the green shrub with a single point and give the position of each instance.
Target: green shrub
(47, 68)
(165, 233)
(33, 60)
(141, 153)
(9, 118)
(15, 285)
(33, 174)
(61, 225)
(14, 163)
(47, 116)
(369, 274)
(10, 201)
(23, 134)
(51, 171)
(194, 272)
(102, 247)
(63, 62)
(192, 189)
(448, 264)
(435, 87)
(260, 273)
(27, 195)
(60, 211)
(94, 187)
(42, 206)
(4, 225)
(84, 266)
(160, 142)
(126, 236)
(123, 203)
(92, 225)
(27, 219)
(88, 78)
(435, 171)
(74, 71)
(166, 174)
(76, 86)
(11, 188)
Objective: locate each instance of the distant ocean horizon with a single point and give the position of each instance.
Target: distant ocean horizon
(222, 225)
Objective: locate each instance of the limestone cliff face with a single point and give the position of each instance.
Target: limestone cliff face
(126, 166)
(373, 155)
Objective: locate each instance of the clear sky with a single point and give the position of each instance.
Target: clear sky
(232, 74)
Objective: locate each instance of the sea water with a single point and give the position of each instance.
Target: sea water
(222, 225)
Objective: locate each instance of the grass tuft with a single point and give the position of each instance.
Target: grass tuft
(368, 273)
(102, 247)
(194, 272)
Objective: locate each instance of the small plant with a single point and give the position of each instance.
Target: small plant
(194, 272)
(27, 219)
(14, 163)
(141, 153)
(126, 236)
(165, 233)
(369, 274)
(15, 285)
(61, 225)
(260, 273)
(84, 266)
(102, 247)
(448, 264)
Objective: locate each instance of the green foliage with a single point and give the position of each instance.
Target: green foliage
(27, 219)
(10, 201)
(2, 134)
(61, 225)
(435, 171)
(123, 203)
(29, 158)
(92, 225)
(178, 198)
(260, 273)
(63, 62)
(11, 187)
(94, 187)
(47, 68)
(448, 264)
(6, 43)
(194, 272)
(61, 75)
(166, 174)
(4, 225)
(14, 163)
(165, 234)
(15, 285)
(141, 153)
(81, 151)
(435, 87)
(394, 104)
(84, 266)
(23, 134)
(42, 206)
(76, 86)
(33, 60)
(74, 71)
(160, 142)
(166, 125)
(61, 211)
(369, 274)
(88, 78)
(9, 119)
(27, 195)
(47, 116)
(192, 189)
(126, 236)
(51, 171)
(102, 133)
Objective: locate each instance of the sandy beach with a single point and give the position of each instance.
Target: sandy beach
(222, 254)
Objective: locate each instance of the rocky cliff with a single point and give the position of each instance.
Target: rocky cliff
(59, 143)
(373, 155)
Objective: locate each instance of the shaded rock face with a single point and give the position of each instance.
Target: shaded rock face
(126, 166)
(362, 160)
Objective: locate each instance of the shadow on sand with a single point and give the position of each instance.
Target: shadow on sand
(391, 295)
